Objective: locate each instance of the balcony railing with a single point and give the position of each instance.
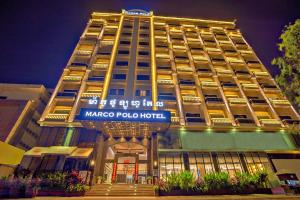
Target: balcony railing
(229, 85)
(191, 99)
(270, 122)
(100, 66)
(221, 122)
(203, 70)
(90, 94)
(72, 78)
(77, 66)
(224, 71)
(280, 102)
(165, 81)
(261, 74)
(84, 52)
(237, 101)
(249, 86)
(242, 73)
(209, 84)
(92, 79)
(59, 117)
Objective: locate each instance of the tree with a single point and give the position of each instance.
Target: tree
(289, 63)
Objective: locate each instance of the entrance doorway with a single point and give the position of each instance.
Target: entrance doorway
(126, 163)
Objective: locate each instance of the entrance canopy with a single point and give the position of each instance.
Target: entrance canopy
(72, 152)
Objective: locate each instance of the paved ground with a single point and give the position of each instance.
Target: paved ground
(229, 197)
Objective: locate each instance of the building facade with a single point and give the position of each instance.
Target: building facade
(145, 95)
(21, 106)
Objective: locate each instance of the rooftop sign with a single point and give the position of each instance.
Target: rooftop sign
(137, 12)
(124, 115)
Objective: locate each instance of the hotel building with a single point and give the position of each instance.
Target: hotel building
(145, 95)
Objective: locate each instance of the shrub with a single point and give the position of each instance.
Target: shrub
(172, 181)
(186, 180)
(218, 180)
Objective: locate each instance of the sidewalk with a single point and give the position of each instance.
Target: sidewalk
(229, 197)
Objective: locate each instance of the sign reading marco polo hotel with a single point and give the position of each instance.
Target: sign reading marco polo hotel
(124, 115)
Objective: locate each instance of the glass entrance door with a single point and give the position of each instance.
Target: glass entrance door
(126, 170)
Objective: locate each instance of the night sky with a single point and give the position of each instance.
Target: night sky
(38, 37)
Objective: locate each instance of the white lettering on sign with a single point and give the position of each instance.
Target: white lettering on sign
(137, 12)
(124, 103)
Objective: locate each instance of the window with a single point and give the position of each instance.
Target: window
(200, 164)
(229, 162)
(142, 77)
(143, 53)
(171, 162)
(257, 162)
(126, 34)
(143, 64)
(3, 97)
(127, 26)
(121, 63)
(116, 92)
(144, 43)
(124, 42)
(142, 93)
(144, 35)
(123, 52)
(119, 76)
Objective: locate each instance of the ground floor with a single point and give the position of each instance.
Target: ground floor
(104, 158)
(225, 197)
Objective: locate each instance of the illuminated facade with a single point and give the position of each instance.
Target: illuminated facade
(212, 105)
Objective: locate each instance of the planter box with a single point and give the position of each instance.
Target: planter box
(75, 194)
(4, 192)
(60, 193)
(16, 192)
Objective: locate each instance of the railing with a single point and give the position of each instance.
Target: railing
(261, 74)
(84, 52)
(209, 84)
(90, 94)
(244, 121)
(213, 100)
(195, 119)
(280, 102)
(53, 116)
(234, 101)
(165, 81)
(191, 99)
(221, 121)
(270, 122)
(257, 101)
(175, 119)
(72, 78)
(100, 66)
(249, 86)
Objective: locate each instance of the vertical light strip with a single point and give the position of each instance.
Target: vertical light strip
(68, 137)
(112, 59)
(153, 63)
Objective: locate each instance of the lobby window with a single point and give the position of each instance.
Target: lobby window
(229, 162)
(119, 76)
(257, 162)
(143, 64)
(142, 93)
(120, 92)
(142, 77)
(171, 162)
(200, 164)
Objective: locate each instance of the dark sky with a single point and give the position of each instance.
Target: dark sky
(38, 37)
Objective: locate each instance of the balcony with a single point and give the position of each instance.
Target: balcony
(56, 117)
(191, 99)
(78, 66)
(204, 71)
(72, 78)
(237, 101)
(287, 120)
(92, 35)
(209, 84)
(162, 56)
(268, 87)
(199, 58)
(186, 83)
(280, 102)
(270, 122)
(221, 122)
(184, 69)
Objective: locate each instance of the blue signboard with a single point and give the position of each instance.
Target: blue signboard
(124, 115)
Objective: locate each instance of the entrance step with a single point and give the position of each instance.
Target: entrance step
(121, 190)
